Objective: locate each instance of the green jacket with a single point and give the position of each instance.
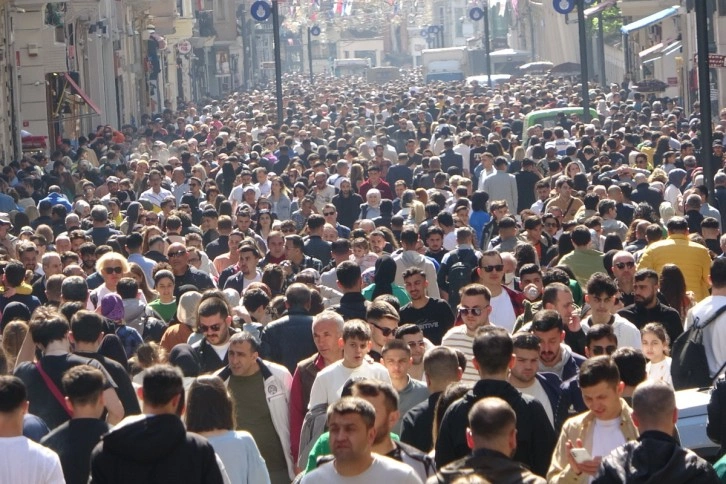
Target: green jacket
(584, 263)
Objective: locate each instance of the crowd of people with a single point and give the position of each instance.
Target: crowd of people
(398, 283)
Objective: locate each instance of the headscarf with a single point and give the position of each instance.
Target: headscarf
(14, 310)
(676, 177)
(385, 275)
(132, 216)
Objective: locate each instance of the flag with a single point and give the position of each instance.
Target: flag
(338, 7)
(348, 7)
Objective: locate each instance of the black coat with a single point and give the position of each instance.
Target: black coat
(650, 195)
(348, 208)
(535, 438)
(289, 340)
(654, 458)
(352, 306)
(155, 449)
(491, 465)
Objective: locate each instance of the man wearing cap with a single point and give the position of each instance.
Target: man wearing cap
(100, 232)
(112, 185)
(7, 240)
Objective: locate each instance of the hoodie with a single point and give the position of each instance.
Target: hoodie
(411, 258)
(154, 449)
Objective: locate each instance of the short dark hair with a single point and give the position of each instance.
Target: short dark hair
(14, 273)
(413, 271)
(677, 224)
(546, 320)
(358, 329)
(213, 306)
(348, 274)
(395, 344)
(209, 405)
(526, 341)
(348, 405)
(83, 384)
(718, 272)
(601, 283)
(373, 388)
(597, 370)
(243, 336)
(127, 288)
(254, 298)
(581, 236)
(380, 309)
(13, 393)
(600, 331)
(161, 384)
(74, 288)
(315, 221)
(296, 240)
(493, 349)
(644, 274)
(408, 329)
(47, 326)
(476, 290)
(631, 364)
(86, 326)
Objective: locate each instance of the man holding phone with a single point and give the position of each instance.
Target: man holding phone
(587, 438)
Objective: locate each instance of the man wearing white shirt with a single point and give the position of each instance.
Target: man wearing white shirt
(601, 294)
(155, 194)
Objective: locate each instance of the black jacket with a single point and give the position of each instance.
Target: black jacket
(289, 339)
(417, 425)
(352, 306)
(650, 195)
(654, 458)
(639, 315)
(154, 449)
(208, 359)
(535, 441)
(348, 208)
(317, 248)
(716, 428)
(570, 403)
(491, 465)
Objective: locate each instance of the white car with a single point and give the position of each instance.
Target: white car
(692, 420)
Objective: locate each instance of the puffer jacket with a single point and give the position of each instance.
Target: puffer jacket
(654, 458)
(692, 259)
(411, 258)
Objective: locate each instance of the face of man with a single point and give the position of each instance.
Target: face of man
(624, 267)
(155, 182)
(242, 359)
(243, 222)
(534, 278)
(416, 286)
(29, 258)
(276, 246)
(76, 244)
(248, 263)
(566, 190)
(491, 269)
(435, 242)
(468, 309)
(178, 257)
(645, 292)
(602, 346)
(291, 252)
(331, 216)
(397, 362)
(525, 366)
(378, 328)
(603, 400)
(215, 328)
(550, 349)
(385, 419)
(417, 345)
(88, 260)
(52, 266)
(326, 336)
(350, 440)
(565, 305)
(602, 306)
(354, 350)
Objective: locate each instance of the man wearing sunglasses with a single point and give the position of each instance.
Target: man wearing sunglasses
(183, 272)
(623, 268)
(506, 303)
(648, 308)
(383, 320)
(215, 324)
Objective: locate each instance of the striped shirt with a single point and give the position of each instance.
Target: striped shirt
(457, 339)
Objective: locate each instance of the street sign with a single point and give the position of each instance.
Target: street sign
(315, 30)
(714, 60)
(424, 33)
(184, 47)
(476, 14)
(563, 6)
(260, 10)
(433, 29)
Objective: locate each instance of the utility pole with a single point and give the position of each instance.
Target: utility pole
(704, 95)
(310, 53)
(487, 45)
(583, 60)
(278, 60)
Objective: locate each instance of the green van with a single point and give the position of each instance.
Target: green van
(548, 118)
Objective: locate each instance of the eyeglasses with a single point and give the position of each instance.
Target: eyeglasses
(206, 329)
(623, 265)
(498, 268)
(386, 332)
(473, 311)
(111, 270)
(602, 350)
(177, 253)
(328, 214)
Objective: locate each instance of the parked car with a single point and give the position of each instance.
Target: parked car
(692, 420)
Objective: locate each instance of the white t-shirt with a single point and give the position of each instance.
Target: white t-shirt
(23, 461)
(329, 382)
(606, 437)
(537, 391)
(221, 350)
(503, 311)
(660, 371)
(628, 334)
(383, 469)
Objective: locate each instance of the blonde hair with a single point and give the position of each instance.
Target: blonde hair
(112, 257)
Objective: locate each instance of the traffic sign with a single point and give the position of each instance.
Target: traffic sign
(315, 30)
(563, 6)
(184, 47)
(476, 14)
(424, 33)
(260, 10)
(433, 29)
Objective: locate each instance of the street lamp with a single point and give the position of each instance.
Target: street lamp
(476, 14)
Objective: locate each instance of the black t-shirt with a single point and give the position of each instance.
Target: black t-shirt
(42, 402)
(434, 319)
(124, 387)
(73, 442)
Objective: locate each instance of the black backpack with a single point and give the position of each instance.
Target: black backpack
(689, 366)
(459, 274)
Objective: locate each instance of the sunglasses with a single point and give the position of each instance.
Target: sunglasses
(111, 270)
(206, 329)
(602, 350)
(498, 268)
(328, 214)
(623, 265)
(177, 253)
(473, 311)
(385, 331)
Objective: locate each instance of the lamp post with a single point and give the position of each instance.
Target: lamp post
(487, 45)
(704, 95)
(278, 60)
(583, 60)
(310, 54)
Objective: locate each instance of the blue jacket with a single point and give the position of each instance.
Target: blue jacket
(58, 199)
(570, 403)
(572, 366)
(552, 387)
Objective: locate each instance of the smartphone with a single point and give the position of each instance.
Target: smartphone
(580, 455)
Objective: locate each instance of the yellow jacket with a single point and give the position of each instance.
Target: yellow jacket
(581, 427)
(691, 258)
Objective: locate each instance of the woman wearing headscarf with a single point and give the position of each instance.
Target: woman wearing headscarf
(132, 218)
(14, 310)
(383, 282)
(672, 193)
(185, 317)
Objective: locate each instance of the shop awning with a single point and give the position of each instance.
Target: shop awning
(659, 50)
(86, 98)
(591, 12)
(649, 20)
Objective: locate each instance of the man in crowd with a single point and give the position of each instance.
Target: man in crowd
(396, 357)
(215, 324)
(554, 356)
(432, 315)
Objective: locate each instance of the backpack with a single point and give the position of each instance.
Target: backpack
(689, 366)
(313, 427)
(460, 270)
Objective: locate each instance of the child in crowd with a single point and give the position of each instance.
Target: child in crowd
(112, 307)
(656, 346)
(362, 254)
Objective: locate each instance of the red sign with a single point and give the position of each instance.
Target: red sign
(714, 60)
